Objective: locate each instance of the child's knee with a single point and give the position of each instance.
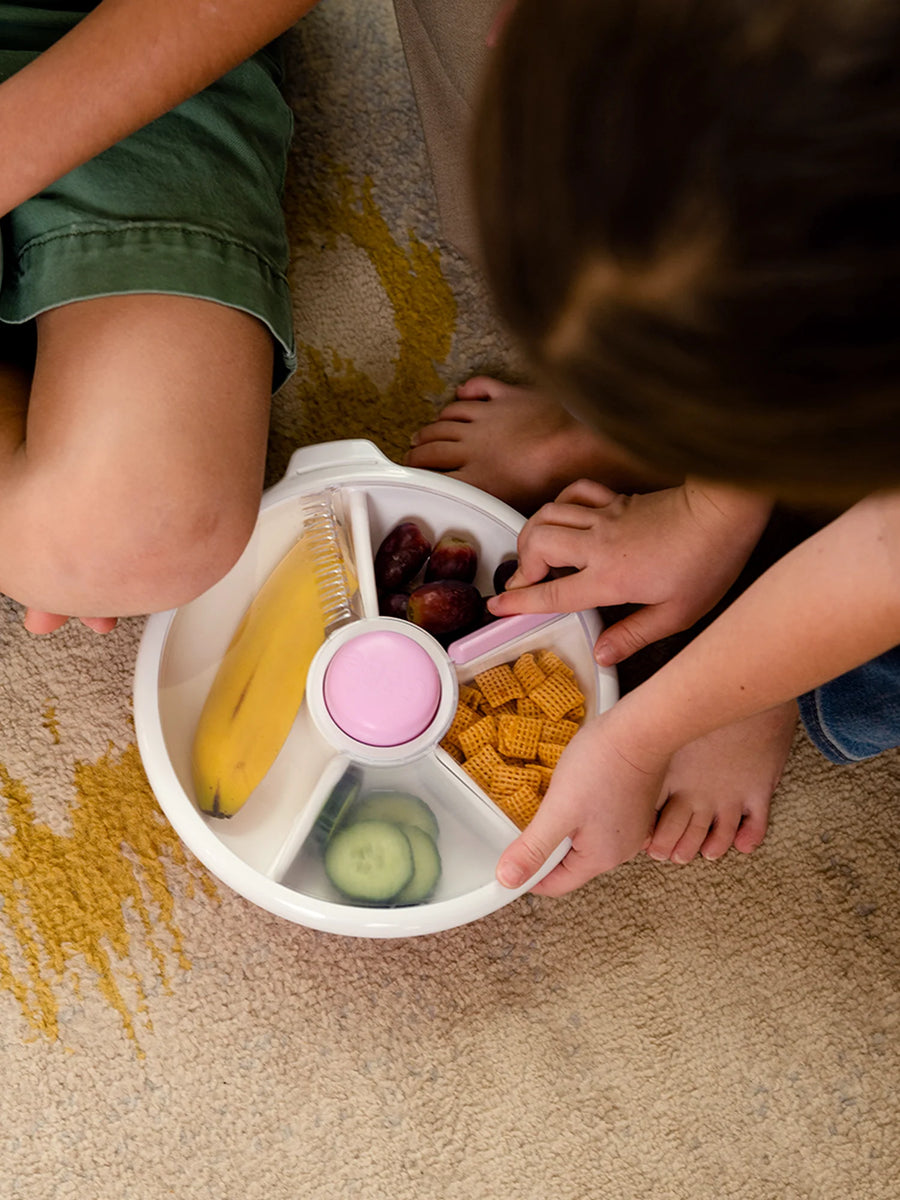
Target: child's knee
(191, 551)
(145, 551)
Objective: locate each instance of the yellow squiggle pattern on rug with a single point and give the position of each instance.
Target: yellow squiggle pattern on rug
(339, 400)
(67, 897)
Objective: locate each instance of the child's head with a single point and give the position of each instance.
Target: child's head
(690, 214)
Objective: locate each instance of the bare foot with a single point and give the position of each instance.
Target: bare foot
(520, 446)
(719, 788)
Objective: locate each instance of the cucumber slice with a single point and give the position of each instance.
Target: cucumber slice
(336, 807)
(400, 808)
(369, 861)
(426, 867)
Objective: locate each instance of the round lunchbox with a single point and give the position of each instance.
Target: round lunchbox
(372, 820)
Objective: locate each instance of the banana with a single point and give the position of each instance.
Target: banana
(260, 684)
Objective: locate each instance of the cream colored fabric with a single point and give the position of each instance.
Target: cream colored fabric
(446, 51)
(723, 1030)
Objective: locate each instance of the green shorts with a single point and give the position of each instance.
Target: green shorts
(190, 205)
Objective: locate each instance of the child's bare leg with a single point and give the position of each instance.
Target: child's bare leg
(519, 445)
(719, 788)
(134, 482)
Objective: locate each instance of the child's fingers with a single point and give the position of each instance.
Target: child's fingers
(559, 512)
(587, 857)
(587, 492)
(573, 872)
(634, 632)
(569, 593)
(544, 547)
(531, 849)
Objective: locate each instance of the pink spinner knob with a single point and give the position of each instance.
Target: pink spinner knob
(382, 688)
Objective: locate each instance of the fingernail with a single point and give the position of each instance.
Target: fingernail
(414, 440)
(604, 655)
(511, 875)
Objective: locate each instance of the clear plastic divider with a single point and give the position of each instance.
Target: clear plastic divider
(470, 837)
(356, 508)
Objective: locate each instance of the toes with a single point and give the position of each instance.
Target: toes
(721, 836)
(37, 621)
(437, 431)
(688, 846)
(99, 624)
(671, 825)
(685, 829)
(752, 830)
(463, 411)
(449, 425)
(481, 387)
(436, 456)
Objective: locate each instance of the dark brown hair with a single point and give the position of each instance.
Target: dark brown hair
(690, 215)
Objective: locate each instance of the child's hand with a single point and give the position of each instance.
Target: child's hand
(676, 552)
(598, 798)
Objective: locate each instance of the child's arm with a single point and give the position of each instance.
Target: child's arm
(126, 63)
(676, 552)
(827, 606)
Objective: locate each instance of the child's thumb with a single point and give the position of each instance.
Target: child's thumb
(527, 854)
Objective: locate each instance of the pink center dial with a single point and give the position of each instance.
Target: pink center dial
(382, 688)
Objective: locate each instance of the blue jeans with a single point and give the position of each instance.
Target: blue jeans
(857, 715)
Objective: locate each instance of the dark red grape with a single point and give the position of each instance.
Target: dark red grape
(503, 573)
(446, 606)
(452, 557)
(400, 557)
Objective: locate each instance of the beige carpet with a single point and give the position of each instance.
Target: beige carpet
(720, 1031)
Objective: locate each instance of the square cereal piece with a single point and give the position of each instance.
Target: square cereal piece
(557, 695)
(507, 778)
(549, 661)
(578, 713)
(499, 684)
(481, 766)
(518, 736)
(528, 673)
(482, 733)
(506, 710)
(527, 708)
(520, 806)
(453, 750)
(549, 753)
(462, 719)
(468, 695)
(559, 731)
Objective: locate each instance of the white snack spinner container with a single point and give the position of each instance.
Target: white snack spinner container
(264, 852)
